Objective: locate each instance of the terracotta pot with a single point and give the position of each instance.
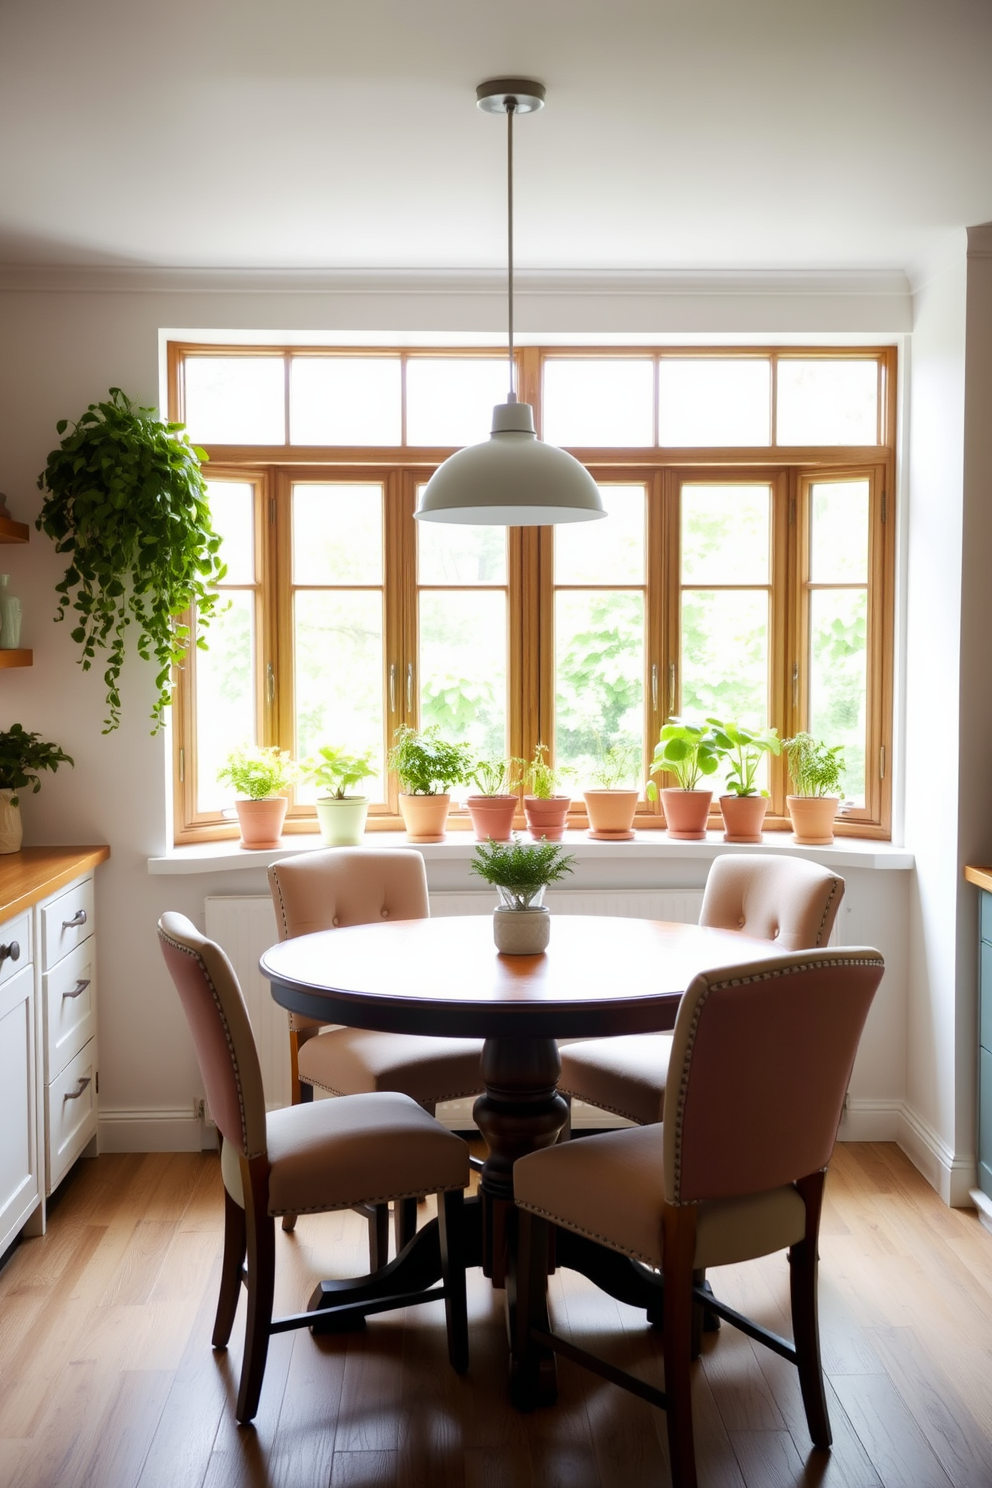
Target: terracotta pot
(743, 817)
(521, 932)
(425, 817)
(546, 816)
(261, 821)
(492, 817)
(11, 825)
(813, 819)
(342, 820)
(686, 813)
(611, 814)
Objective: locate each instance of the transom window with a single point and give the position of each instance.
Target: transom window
(744, 570)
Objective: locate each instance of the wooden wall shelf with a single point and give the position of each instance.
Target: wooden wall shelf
(18, 658)
(13, 532)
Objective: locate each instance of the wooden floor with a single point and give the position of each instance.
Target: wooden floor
(108, 1380)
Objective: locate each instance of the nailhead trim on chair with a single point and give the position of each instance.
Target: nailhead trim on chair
(435, 1100)
(826, 911)
(416, 1193)
(556, 1219)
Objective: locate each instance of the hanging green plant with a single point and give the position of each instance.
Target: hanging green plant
(127, 499)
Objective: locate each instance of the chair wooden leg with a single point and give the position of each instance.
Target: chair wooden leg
(533, 1373)
(451, 1227)
(261, 1285)
(235, 1233)
(680, 1245)
(378, 1221)
(301, 1093)
(405, 1221)
(803, 1263)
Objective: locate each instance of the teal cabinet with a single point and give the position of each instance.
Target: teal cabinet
(985, 1045)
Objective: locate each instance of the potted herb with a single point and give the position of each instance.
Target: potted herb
(545, 808)
(743, 805)
(22, 755)
(427, 767)
(815, 771)
(341, 815)
(690, 751)
(611, 807)
(259, 773)
(126, 499)
(520, 872)
(494, 803)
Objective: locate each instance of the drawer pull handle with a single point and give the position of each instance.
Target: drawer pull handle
(78, 989)
(75, 1094)
(10, 952)
(79, 918)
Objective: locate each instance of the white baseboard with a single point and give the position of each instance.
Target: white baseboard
(870, 1121)
(953, 1176)
(145, 1130)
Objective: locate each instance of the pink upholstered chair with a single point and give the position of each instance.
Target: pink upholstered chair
(788, 901)
(303, 1159)
(359, 886)
(761, 1059)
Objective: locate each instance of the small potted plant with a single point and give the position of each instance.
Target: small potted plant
(427, 766)
(690, 751)
(520, 872)
(815, 771)
(341, 815)
(545, 808)
(611, 807)
(743, 805)
(494, 803)
(259, 773)
(22, 755)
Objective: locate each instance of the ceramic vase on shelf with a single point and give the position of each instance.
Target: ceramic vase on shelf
(11, 826)
(10, 617)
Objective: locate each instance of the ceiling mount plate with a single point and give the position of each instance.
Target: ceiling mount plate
(495, 95)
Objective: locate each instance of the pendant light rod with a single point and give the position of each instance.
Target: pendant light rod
(511, 107)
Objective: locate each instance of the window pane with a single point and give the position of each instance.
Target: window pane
(345, 400)
(451, 400)
(714, 402)
(337, 534)
(231, 507)
(339, 677)
(598, 402)
(449, 554)
(235, 400)
(599, 678)
(839, 532)
(606, 552)
(725, 655)
(225, 696)
(726, 534)
(839, 679)
(463, 667)
(827, 402)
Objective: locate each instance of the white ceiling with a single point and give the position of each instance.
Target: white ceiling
(679, 134)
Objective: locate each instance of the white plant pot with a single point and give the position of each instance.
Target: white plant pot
(11, 826)
(521, 932)
(342, 822)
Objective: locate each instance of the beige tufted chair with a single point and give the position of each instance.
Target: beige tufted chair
(761, 1059)
(305, 1158)
(788, 901)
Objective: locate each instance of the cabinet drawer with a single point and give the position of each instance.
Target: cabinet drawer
(66, 921)
(69, 992)
(15, 945)
(72, 1114)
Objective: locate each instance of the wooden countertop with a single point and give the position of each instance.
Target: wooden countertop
(980, 876)
(35, 872)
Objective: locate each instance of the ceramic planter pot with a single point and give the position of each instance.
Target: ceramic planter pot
(521, 932)
(261, 821)
(492, 817)
(11, 825)
(342, 820)
(546, 816)
(611, 814)
(813, 819)
(743, 817)
(686, 813)
(425, 817)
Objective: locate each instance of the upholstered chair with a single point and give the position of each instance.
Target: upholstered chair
(303, 1159)
(788, 901)
(761, 1058)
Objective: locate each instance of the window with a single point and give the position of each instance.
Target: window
(744, 570)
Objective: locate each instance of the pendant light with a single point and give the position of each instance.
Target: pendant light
(514, 478)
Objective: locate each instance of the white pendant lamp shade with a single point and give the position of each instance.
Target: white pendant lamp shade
(512, 480)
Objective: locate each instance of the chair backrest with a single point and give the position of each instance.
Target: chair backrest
(787, 900)
(348, 886)
(218, 1020)
(761, 1059)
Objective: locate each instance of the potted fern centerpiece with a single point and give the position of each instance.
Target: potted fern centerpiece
(259, 773)
(520, 872)
(341, 814)
(690, 751)
(815, 771)
(494, 803)
(743, 805)
(427, 766)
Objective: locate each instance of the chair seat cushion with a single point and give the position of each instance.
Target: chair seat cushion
(626, 1075)
(611, 1188)
(352, 1061)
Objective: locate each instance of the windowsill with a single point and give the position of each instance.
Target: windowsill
(846, 852)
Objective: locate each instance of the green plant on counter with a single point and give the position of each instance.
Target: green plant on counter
(258, 771)
(426, 764)
(521, 869)
(814, 769)
(22, 755)
(743, 748)
(333, 771)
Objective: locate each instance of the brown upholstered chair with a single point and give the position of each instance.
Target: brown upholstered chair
(761, 1059)
(788, 901)
(358, 886)
(303, 1159)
